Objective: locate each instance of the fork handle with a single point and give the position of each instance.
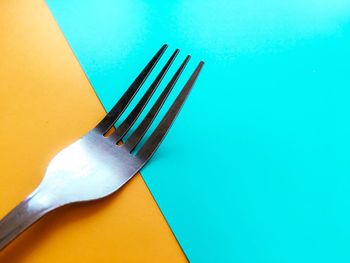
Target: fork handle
(22, 216)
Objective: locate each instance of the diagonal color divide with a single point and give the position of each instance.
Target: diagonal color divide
(256, 169)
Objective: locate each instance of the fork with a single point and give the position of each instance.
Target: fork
(97, 165)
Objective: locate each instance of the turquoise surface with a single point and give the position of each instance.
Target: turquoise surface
(257, 166)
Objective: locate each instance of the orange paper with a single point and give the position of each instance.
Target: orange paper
(46, 103)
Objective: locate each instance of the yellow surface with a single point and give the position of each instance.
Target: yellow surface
(46, 103)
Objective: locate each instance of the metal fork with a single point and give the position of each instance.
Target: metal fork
(96, 166)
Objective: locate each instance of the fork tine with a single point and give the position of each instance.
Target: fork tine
(112, 116)
(140, 131)
(134, 114)
(153, 142)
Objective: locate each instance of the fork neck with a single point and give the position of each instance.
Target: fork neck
(24, 215)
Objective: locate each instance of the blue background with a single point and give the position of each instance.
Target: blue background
(256, 167)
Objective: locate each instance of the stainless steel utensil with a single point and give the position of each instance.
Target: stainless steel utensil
(96, 166)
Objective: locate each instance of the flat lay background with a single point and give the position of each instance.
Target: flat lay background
(46, 103)
(256, 168)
